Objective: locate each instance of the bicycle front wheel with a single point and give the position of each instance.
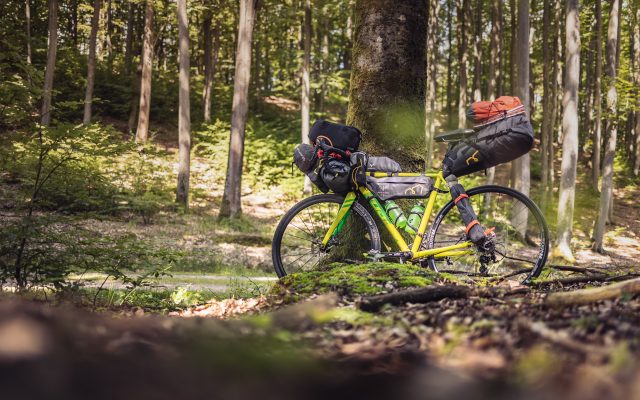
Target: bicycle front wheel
(521, 241)
(297, 242)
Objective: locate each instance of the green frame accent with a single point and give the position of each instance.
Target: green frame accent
(440, 252)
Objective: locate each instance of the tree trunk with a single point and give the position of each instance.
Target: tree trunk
(606, 193)
(521, 166)
(494, 74)
(570, 133)
(184, 113)
(27, 11)
(91, 63)
(432, 72)
(52, 49)
(231, 205)
(494, 54)
(109, 32)
(142, 132)
(636, 77)
(546, 141)
(477, 52)
(450, 63)
(597, 100)
(208, 71)
(128, 52)
(463, 12)
(306, 87)
(387, 82)
(512, 53)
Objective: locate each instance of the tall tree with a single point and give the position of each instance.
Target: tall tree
(463, 12)
(211, 51)
(494, 71)
(546, 136)
(636, 77)
(306, 87)
(52, 49)
(450, 100)
(521, 166)
(432, 77)
(477, 51)
(184, 114)
(27, 12)
(597, 100)
(142, 132)
(386, 99)
(231, 205)
(606, 193)
(570, 132)
(91, 63)
(128, 52)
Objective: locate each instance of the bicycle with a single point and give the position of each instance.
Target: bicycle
(329, 228)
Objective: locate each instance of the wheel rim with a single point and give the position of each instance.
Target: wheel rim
(301, 242)
(521, 241)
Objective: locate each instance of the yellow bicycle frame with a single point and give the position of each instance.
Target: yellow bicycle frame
(440, 252)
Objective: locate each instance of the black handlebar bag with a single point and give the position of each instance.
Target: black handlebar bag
(493, 144)
(343, 137)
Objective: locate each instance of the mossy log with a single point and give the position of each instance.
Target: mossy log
(421, 295)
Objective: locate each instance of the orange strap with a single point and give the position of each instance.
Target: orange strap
(462, 196)
(471, 224)
(490, 230)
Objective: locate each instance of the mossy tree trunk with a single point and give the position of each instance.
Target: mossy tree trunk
(386, 99)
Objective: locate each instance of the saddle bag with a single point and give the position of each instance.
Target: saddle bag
(400, 187)
(493, 143)
(343, 137)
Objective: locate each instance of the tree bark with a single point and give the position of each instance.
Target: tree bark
(546, 137)
(128, 52)
(231, 205)
(27, 12)
(91, 63)
(432, 78)
(597, 100)
(450, 63)
(477, 52)
(606, 193)
(184, 113)
(463, 12)
(387, 82)
(494, 73)
(142, 132)
(494, 53)
(570, 133)
(52, 49)
(210, 61)
(512, 53)
(521, 166)
(306, 87)
(636, 76)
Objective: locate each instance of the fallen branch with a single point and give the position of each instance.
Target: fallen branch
(586, 296)
(582, 270)
(422, 295)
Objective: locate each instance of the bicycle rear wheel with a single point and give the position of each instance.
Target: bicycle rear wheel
(521, 242)
(297, 242)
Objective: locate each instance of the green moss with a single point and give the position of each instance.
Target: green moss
(353, 280)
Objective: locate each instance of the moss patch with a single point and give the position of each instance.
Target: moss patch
(353, 280)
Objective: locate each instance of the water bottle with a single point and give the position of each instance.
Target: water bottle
(395, 214)
(415, 216)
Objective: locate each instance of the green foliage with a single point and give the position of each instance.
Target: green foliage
(267, 155)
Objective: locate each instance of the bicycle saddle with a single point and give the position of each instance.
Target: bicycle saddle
(454, 136)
